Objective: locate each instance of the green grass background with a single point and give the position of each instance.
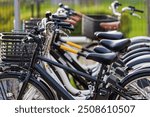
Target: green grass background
(131, 26)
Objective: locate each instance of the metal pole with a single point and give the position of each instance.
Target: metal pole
(148, 16)
(32, 9)
(38, 9)
(16, 15)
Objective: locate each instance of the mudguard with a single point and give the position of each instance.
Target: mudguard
(138, 45)
(130, 77)
(139, 39)
(138, 60)
(135, 55)
(137, 73)
(136, 51)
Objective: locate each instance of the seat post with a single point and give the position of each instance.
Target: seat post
(99, 77)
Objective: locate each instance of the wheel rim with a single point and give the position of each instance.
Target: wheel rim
(138, 89)
(9, 90)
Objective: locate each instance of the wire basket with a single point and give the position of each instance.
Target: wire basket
(30, 24)
(14, 51)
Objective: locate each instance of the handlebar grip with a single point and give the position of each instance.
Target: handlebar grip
(140, 11)
(67, 8)
(60, 4)
(119, 4)
(135, 10)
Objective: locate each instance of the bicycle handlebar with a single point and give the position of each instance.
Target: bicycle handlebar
(135, 10)
(114, 6)
(68, 10)
(131, 8)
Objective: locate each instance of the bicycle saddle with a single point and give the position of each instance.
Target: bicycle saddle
(109, 35)
(105, 58)
(101, 49)
(116, 45)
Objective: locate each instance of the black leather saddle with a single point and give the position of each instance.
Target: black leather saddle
(101, 49)
(109, 35)
(105, 58)
(116, 45)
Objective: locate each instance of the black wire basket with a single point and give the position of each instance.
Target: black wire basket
(30, 24)
(14, 50)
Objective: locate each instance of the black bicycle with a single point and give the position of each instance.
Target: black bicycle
(35, 83)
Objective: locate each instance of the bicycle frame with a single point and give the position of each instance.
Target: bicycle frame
(62, 76)
(56, 86)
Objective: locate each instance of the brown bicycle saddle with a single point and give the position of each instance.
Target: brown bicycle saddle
(110, 25)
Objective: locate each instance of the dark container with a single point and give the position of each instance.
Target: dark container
(91, 24)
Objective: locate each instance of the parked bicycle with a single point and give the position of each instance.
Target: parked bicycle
(37, 83)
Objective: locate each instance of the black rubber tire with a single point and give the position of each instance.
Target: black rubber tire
(129, 80)
(38, 85)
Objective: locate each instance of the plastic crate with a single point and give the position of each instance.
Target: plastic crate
(91, 24)
(13, 50)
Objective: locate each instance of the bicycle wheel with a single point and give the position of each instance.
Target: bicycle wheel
(11, 83)
(137, 87)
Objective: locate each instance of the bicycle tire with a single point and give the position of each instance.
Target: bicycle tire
(138, 90)
(10, 84)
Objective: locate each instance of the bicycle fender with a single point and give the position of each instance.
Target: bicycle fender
(135, 51)
(138, 45)
(138, 60)
(139, 39)
(138, 73)
(135, 55)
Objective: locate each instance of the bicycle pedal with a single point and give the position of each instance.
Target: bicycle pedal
(103, 94)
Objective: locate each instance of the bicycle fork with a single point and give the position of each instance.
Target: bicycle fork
(24, 85)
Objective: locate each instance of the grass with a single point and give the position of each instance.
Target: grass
(131, 26)
(6, 17)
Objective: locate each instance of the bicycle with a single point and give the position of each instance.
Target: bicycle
(35, 69)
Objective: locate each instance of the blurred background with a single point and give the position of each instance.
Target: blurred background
(131, 26)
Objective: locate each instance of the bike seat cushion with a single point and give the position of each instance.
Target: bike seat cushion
(115, 45)
(105, 58)
(101, 49)
(109, 35)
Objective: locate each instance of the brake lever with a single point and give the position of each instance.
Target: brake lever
(136, 15)
(125, 9)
